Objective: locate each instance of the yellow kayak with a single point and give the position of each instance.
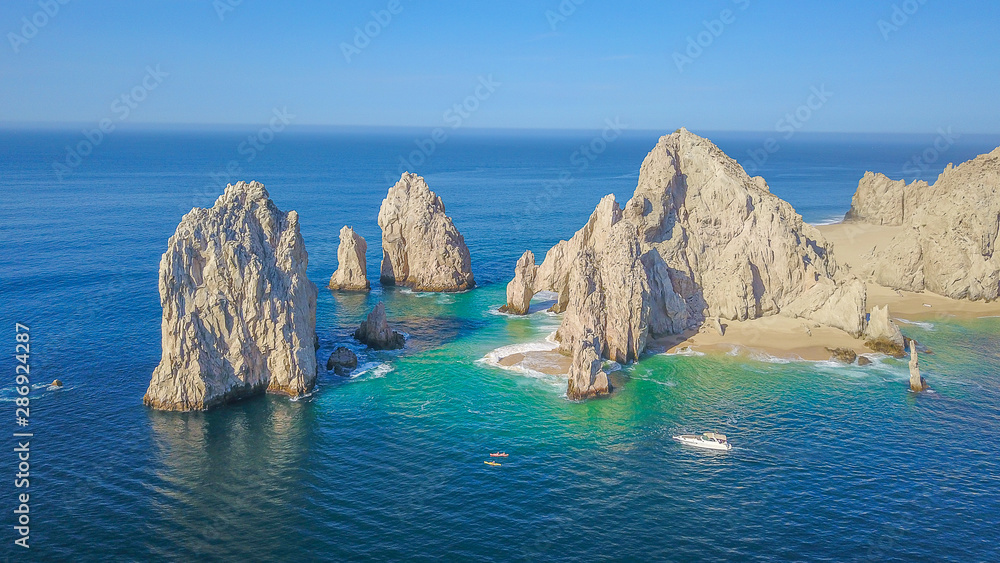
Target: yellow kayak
(493, 463)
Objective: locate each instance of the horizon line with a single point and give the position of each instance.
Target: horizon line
(200, 126)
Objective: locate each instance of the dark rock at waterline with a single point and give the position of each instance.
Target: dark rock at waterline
(57, 383)
(342, 361)
(863, 361)
(886, 346)
(845, 355)
(376, 333)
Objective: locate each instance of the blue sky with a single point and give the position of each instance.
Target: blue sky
(552, 64)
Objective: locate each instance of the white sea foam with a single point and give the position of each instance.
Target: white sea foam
(833, 220)
(923, 325)
(493, 358)
(685, 351)
(373, 370)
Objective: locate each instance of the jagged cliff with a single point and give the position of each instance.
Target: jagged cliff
(699, 238)
(949, 241)
(239, 313)
(421, 248)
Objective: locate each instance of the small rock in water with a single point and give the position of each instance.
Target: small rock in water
(342, 361)
(863, 361)
(845, 355)
(376, 333)
(57, 383)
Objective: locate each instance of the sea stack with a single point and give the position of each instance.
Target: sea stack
(239, 313)
(376, 333)
(917, 383)
(698, 239)
(520, 289)
(946, 236)
(351, 274)
(421, 248)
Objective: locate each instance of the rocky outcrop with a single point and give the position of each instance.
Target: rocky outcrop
(917, 383)
(342, 361)
(845, 355)
(883, 335)
(881, 201)
(698, 239)
(376, 333)
(239, 313)
(421, 248)
(950, 240)
(520, 290)
(586, 376)
(351, 274)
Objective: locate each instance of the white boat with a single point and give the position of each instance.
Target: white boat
(708, 440)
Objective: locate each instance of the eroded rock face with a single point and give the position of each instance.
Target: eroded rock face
(881, 201)
(950, 245)
(376, 333)
(699, 238)
(421, 248)
(351, 274)
(239, 313)
(586, 377)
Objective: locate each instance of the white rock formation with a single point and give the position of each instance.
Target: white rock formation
(520, 289)
(239, 313)
(882, 201)
(698, 239)
(421, 248)
(351, 274)
(586, 377)
(881, 327)
(950, 244)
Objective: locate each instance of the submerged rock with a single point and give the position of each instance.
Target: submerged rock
(421, 248)
(239, 313)
(376, 333)
(351, 274)
(949, 240)
(586, 377)
(342, 361)
(698, 239)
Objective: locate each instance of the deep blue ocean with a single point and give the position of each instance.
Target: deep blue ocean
(830, 463)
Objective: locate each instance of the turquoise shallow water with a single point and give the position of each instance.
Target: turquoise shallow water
(830, 463)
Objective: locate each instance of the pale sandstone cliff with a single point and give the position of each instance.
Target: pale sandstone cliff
(421, 248)
(699, 238)
(351, 274)
(239, 313)
(950, 241)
